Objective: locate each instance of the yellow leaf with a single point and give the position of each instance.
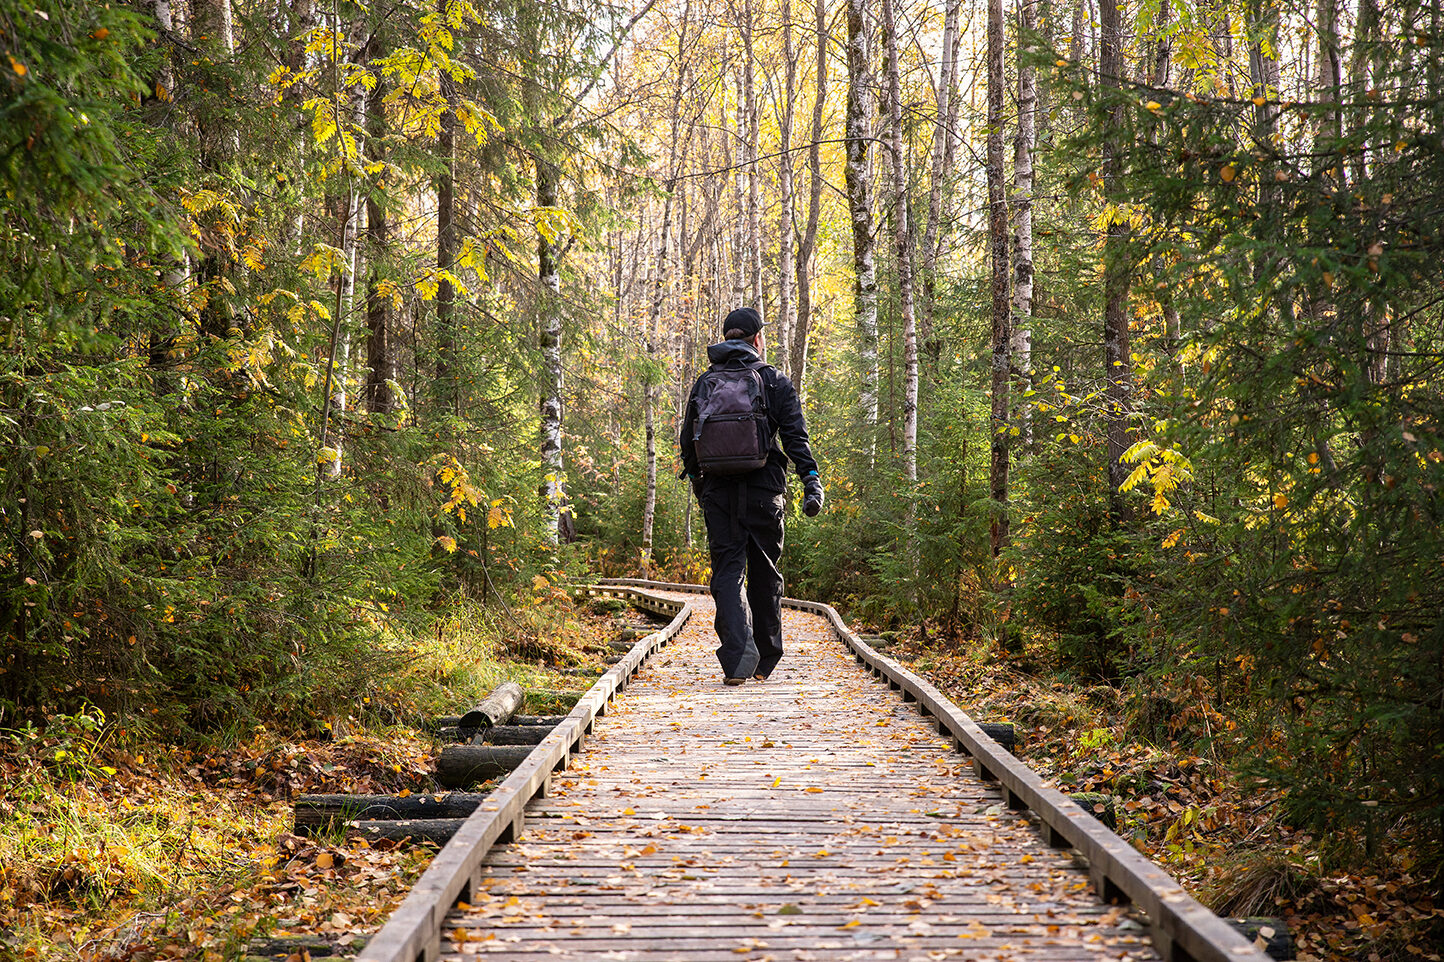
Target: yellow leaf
(1281, 501)
(325, 860)
(851, 925)
(1228, 173)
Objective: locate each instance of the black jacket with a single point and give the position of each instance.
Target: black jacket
(784, 414)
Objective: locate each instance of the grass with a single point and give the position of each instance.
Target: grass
(115, 845)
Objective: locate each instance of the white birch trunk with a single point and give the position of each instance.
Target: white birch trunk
(859, 197)
(754, 174)
(814, 202)
(904, 247)
(942, 134)
(786, 307)
(549, 274)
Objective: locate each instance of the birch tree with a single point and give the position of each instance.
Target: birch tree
(786, 308)
(859, 199)
(661, 279)
(904, 247)
(806, 247)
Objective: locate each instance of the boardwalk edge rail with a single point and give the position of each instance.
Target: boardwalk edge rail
(1183, 930)
(413, 932)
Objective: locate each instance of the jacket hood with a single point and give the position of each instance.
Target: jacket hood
(725, 351)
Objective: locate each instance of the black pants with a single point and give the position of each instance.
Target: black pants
(744, 534)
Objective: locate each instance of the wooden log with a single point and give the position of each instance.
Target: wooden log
(460, 765)
(1269, 934)
(290, 945)
(464, 735)
(313, 813)
(436, 831)
(511, 735)
(1098, 805)
(550, 721)
(495, 708)
(1002, 733)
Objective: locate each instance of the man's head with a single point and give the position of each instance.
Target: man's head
(743, 324)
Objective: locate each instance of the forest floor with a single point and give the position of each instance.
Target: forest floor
(1190, 812)
(114, 849)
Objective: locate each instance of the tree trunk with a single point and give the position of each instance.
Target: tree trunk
(1118, 371)
(380, 348)
(1162, 66)
(1022, 322)
(904, 248)
(942, 134)
(495, 709)
(1002, 310)
(212, 33)
(807, 247)
(661, 280)
(859, 197)
(446, 373)
(785, 305)
(754, 175)
(549, 274)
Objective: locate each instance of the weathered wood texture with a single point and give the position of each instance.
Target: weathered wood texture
(436, 831)
(314, 812)
(1180, 927)
(512, 735)
(459, 766)
(816, 816)
(412, 933)
(495, 709)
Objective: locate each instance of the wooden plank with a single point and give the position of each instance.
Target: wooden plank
(693, 816)
(412, 933)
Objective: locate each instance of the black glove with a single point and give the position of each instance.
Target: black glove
(696, 486)
(811, 495)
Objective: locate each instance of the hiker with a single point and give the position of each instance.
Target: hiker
(736, 411)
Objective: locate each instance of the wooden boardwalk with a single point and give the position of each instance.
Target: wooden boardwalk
(816, 816)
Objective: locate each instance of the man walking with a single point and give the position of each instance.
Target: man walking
(736, 411)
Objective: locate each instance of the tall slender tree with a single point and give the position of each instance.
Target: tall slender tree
(859, 199)
(998, 257)
(1118, 370)
(903, 237)
(1023, 142)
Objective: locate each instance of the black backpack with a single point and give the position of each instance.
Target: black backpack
(731, 430)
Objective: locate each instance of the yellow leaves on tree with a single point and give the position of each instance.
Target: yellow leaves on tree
(1163, 469)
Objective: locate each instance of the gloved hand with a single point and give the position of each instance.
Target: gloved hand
(696, 486)
(811, 495)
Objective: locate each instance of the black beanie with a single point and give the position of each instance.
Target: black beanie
(744, 319)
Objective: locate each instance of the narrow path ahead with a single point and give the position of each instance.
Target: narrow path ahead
(815, 816)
